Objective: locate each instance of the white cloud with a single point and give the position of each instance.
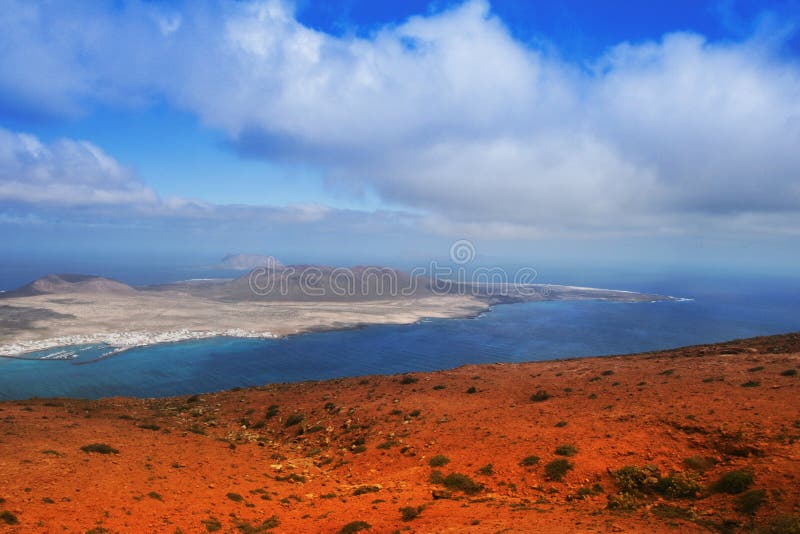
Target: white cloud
(448, 114)
(65, 173)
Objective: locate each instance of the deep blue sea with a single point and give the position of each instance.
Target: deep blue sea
(722, 308)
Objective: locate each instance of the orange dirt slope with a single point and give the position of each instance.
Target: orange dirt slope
(344, 454)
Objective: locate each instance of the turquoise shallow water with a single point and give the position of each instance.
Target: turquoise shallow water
(510, 333)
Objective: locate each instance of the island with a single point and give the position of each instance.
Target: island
(72, 310)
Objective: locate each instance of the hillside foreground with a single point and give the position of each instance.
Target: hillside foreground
(700, 439)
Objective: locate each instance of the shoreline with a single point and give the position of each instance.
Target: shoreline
(119, 342)
(123, 341)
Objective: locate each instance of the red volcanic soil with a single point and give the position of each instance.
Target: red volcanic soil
(319, 456)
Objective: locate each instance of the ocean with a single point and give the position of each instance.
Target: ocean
(721, 308)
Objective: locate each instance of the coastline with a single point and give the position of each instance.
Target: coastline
(243, 320)
(123, 322)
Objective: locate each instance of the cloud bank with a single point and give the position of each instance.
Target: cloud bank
(446, 114)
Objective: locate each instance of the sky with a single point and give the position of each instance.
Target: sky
(349, 131)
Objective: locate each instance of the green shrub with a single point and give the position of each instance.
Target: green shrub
(472, 389)
(751, 384)
(439, 386)
(540, 395)
(750, 501)
(557, 469)
(460, 482)
(680, 485)
(235, 497)
(149, 426)
(789, 372)
(439, 460)
(99, 448)
(294, 419)
(408, 379)
(409, 513)
(362, 490)
(211, 524)
(636, 479)
(756, 369)
(566, 450)
(530, 460)
(355, 526)
(269, 524)
(486, 470)
(561, 424)
(585, 491)
(623, 501)
(272, 411)
(607, 373)
(734, 482)
(8, 518)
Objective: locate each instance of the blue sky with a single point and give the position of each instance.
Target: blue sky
(355, 131)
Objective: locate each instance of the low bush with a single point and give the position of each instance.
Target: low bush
(362, 490)
(734, 482)
(211, 524)
(624, 501)
(8, 518)
(637, 480)
(439, 460)
(409, 513)
(750, 501)
(408, 379)
(557, 469)
(751, 384)
(680, 485)
(355, 526)
(566, 450)
(294, 419)
(266, 526)
(530, 460)
(486, 470)
(789, 372)
(540, 395)
(99, 448)
(460, 482)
